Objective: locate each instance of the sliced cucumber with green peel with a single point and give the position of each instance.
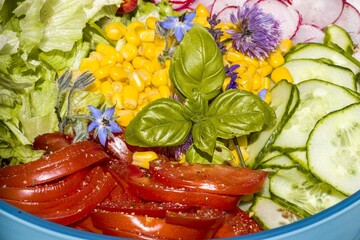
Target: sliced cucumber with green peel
(281, 161)
(335, 159)
(302, 190)
(339, 36)
(270, 214)
(317, 98)
(299, 156)
(306, 69)
(282, 95)
(321, 51)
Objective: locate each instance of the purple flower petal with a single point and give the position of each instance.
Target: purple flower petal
(169, 23)
(96, 113)
(93, 125)
(114, 127)
(109, 113)
(189, 17)
(179, 33)
(102, 133)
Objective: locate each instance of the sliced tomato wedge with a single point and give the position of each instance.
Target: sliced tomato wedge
(51, 142)
(149, 226)
(86, 224)
(237, 223)
(54, 166)
(214, 178)
(52, 191)
(127, 6)
(118, 148)
(149, 189)
(200, 218)
(101, 184)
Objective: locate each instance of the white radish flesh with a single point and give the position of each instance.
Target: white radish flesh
(224, 14)
(349, 19)
(219, 5)
(308, 33)
(320, 13)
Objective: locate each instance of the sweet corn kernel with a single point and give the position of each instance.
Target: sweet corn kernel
(234, 56)
(128, 67)
(118, 57)
(226, 83)
(129, 51)
(138, 62)
(102, 72)
(145, 76)
(159, 42)
(136, 81)
(149, 66)
(115, 30)
(251, 69)
(147, 35)
(116, 99)
(125, 117)
(117, 73)
(160, 77)
(149, 51)
(201, 11)
(285, 46)
(95, 86)
(141, 106)
(132, 37)
(151, 22)
(129, 97)
(164, 91)
(275, 59)
(281, 73)
(202, 21)
(142, 159)
(106, 89)
(266, 83)
(256, 82)
(142, 99)
(264, 70)
(251, 61)
(117, 86)
(105, 49)
(153, 95)
(157, 64)
(108, 60)
(136, 25)
(89, 64)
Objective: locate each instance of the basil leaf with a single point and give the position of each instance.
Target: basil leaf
(204, 136)
(160, 123)
(197, 64)
(221, 155)
(195, 107)
(237, 112)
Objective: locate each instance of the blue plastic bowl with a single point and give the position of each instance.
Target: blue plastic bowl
(341, 221)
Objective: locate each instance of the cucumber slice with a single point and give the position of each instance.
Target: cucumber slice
(303, 190)
(317, 98)
(306, 69)
(338, 36)
(321, 51)
(282, 95)
(299, 156)
(281, 161)
(335, 159)
(269, 214)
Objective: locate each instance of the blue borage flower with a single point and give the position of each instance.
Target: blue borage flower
(103, 123)
(179, 25)
(262, 93)
(256, 34)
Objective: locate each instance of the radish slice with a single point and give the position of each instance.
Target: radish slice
(308, 33)
(179, 5)
(354, 3)
(224, 14)
(320, 13)
(219, 5)
(349, 19)
(208, 4)
(288, 18)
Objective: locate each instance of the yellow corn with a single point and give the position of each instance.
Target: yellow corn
(129, 97)
(285, 46)
(129, 51)
(142, 159)
(160, 78)
(125, 117)
(105, 49)
(115, 30)
(136, 25)
(234, 56)
(256, 82)
(107, 89)
(149, 51)
(127, 66)
(138, 61)
(164, 91)
(226, 83)
(147, 35)
(132, 37)
(136, 81)
(116, 99)
(89, 64)
(153, 95)
(102, 72)
(236, 161)
(117, 86)
(281, 73)
(108, 60)
(151, 22)
(276, 59)
(117, 73)
(149, 66)
(201, 11)
(145, 76)
(264, 70)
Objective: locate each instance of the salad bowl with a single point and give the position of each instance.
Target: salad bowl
(341, 221)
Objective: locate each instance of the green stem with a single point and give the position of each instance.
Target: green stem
(238, 151)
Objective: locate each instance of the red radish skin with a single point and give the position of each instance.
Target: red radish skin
(354, 3)
(308, 33)
(320, 13)
(220, 5)
(224, 14)
(286, 15)
(349, 19)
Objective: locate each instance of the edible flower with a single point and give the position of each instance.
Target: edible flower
(179, 25)
(256, 33)
(262, 93)
(103, 123)
(230, 72)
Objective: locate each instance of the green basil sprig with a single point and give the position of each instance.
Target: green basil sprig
(197, 72)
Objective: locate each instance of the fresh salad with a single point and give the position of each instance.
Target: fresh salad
(179, 119)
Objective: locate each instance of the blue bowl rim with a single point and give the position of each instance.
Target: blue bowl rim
(52, 228)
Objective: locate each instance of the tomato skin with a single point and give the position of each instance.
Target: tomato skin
(117, 147)
(151, 190)
(52, 191)
(101, 184)
(127, 6)
(54, 166)
(51, 142)
(237, 223)
(155, 227)
(86, 224)
(214, 178)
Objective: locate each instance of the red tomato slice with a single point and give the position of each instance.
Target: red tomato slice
(237, 223)
(127, 6)
(54, 166)
(118, 148)
(150, 209)
(86, 224)
(149, 189)
(201, 218)
(51, 142)
(52, 191)
(149, 226)
(214, 178)
(101, 184)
